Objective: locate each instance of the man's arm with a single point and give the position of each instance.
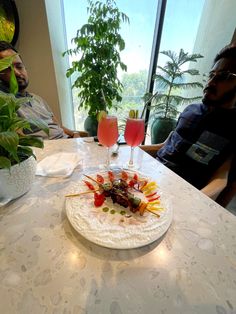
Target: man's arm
(218, 181)
(153, 149)
(40, 101)
(69, 132)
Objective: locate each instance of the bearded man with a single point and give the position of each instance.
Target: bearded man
(201, 147)
(36, 107)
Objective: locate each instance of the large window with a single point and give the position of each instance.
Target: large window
(138, 36)
(181, 22)
(195, 26)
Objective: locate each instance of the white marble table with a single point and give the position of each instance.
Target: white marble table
(47, 267)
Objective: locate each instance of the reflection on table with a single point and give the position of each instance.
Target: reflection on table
(47, 267)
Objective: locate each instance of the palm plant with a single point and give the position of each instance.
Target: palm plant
(171, 81)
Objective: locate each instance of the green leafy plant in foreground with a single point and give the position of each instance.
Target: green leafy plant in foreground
(98, 44)
(14, 145)
(7, 63)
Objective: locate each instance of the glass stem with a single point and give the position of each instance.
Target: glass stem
(131, 161)
(108, 157)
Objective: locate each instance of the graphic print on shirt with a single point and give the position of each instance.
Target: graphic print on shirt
(207, 147)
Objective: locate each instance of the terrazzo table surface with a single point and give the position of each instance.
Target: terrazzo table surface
(47, 267)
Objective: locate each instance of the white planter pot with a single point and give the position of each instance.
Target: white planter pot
(17, 180)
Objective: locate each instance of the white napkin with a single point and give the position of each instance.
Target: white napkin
(58, 165)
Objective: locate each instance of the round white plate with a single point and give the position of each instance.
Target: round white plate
(114, 230)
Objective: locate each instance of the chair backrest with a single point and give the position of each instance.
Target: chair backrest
(83, 134)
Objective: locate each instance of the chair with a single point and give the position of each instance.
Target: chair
(73, 134)
(83, 134)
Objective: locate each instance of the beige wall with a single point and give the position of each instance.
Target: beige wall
(216, 29)
(35, 48)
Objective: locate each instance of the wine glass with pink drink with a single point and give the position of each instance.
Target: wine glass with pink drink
(108, 134)
(134, 135)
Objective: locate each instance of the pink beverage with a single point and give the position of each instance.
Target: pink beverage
(108, 131)
(134, 132)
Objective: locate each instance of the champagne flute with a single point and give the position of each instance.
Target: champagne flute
(134, 135)
(108, 134)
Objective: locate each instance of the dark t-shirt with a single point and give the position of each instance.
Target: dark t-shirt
(201, 142)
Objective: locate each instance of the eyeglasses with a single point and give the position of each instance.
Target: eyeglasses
(222, 76)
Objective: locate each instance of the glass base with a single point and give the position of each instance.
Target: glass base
(134, 166)
(112, 166)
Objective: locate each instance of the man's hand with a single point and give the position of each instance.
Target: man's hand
(153, 149)
(218, 181)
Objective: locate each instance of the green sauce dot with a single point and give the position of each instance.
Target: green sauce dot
(122, 212)
(112, 211)
(105, 209)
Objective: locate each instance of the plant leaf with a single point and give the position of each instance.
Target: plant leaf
(6, 63)
(24, 152)
(13, 82)
(9, 141)
(4, 162)
(31, 141)
(14, 145)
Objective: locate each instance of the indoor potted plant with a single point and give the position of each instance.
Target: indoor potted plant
(98, 44)
(170, 81)
(17, 160)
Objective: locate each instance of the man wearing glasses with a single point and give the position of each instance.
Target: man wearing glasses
(203, 143)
